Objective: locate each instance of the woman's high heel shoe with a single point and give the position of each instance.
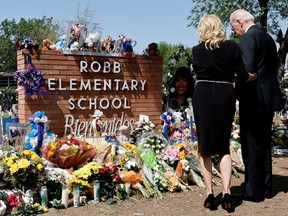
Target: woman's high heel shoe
(227, 202)
(210, 202)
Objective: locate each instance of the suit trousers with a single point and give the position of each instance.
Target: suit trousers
(255, 134)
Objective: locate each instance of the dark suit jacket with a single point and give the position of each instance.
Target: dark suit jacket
(260, 56)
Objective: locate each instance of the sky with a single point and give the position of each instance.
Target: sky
(144, 21)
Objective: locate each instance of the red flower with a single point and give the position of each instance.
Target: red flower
(117, 178)
(74, 141)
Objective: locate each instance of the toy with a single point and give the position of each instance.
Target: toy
(27, 44)
(60, 45)
(74, 46)
(92, 41)
(188, 175)
(48, 45)
(39, 135)
(153, 49)
(107, 44)
(182, 170)
(174, 183)
(127, 48)
(133, 180)
(119, 43)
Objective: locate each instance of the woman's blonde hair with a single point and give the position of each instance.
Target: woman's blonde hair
(211, 31)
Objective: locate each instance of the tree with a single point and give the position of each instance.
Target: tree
(36, 29)
(267, 13)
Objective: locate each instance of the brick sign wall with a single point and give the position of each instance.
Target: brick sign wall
(78, 84)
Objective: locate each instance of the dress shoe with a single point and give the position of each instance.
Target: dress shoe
(227, 202)
(210, 202)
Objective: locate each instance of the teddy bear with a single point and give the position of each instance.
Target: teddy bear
(60, 45)
(48, 45)
(107, 44)
(74, 46)
(174, 183)
(153, 49)
(92, 41)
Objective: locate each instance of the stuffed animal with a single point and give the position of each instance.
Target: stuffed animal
(188, 175)
(127, 49)
(48, 45)
(153, 49)
(133, 180)
(27, 44)
(92, 41)
(182, 170)
(107, 44)
(119, 43)
(60, 45)
(174, 183)
(74, 46)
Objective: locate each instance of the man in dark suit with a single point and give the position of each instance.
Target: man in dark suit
(257, 102)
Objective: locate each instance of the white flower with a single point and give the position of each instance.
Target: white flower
(130, 164)
(152, 125)
(146, 127)
(64, 147)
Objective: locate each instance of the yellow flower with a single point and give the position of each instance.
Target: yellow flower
(39, 167)
(23, 163)
(27, 153)
(10, 162)
(129, 147)
(122, 159)
(75, 180)
(182, 154)
(36, 204)
(179, 146)
(14, 168)
(53, 145)
(35, 157)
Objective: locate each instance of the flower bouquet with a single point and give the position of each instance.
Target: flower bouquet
(68, 153)
(174, 154)
(155, 142)
(140, 127)
(23, 169)
(128, 159)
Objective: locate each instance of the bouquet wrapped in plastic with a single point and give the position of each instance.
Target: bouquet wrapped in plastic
(68, 153)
